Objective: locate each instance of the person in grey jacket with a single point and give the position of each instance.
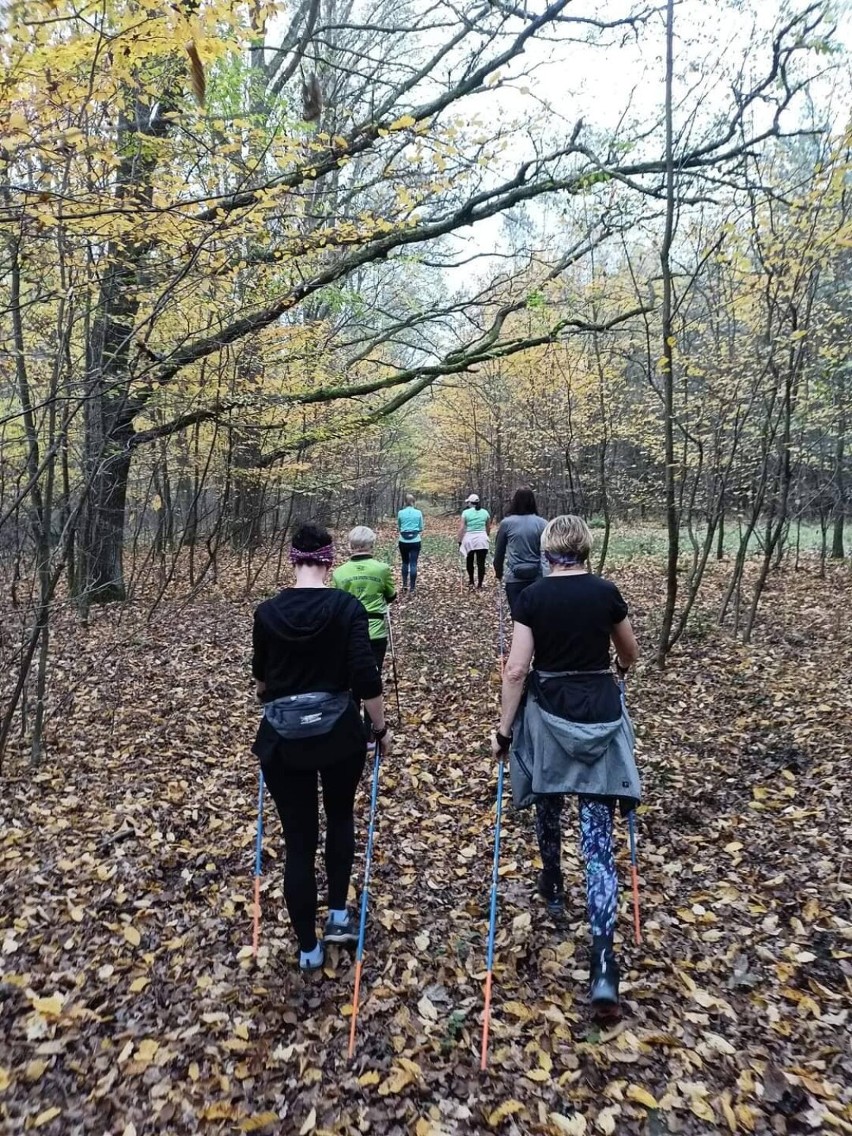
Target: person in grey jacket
(572, 736)
(517, 553)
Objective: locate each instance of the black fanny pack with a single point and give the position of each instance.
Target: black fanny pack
(410, 534)
(307, 715)
(526, 571)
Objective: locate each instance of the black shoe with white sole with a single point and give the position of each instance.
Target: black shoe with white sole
(551, 890)
(603, 981)
(345, 932)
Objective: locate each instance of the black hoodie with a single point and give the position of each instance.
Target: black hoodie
(313, 639)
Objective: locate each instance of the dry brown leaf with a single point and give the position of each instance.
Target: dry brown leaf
(568, 1125)
(258, 1121)
(641, 1096)
(309, 1123)
(46, 1116)
(508, 1108)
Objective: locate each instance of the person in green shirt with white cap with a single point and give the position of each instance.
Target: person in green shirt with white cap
(474, 537)
(371, 581)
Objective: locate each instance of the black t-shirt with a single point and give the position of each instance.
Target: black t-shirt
(571, 618)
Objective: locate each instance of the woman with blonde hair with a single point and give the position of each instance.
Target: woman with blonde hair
(568, 731)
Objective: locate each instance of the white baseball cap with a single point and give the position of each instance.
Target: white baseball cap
(473, 497)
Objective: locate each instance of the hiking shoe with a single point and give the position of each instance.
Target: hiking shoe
(603, 982)
(345, 932)
(312, 967)
(550, 889)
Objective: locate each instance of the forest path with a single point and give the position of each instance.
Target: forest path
(126, 997)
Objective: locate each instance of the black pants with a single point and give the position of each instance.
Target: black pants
(514, 589)
(479, 554)
(379, 648)
(296, 796)
(409, 551)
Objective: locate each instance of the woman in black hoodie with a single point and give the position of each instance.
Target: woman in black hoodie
(312, 661)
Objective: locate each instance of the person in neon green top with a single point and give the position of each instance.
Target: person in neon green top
(473, 536)
(371, 581)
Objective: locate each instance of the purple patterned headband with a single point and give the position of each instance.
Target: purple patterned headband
(563, 559)
(324, 555)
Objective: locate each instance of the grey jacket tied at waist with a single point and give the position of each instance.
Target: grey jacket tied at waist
(552, 755)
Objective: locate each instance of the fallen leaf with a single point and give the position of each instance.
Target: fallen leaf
(569, 1125)
(46, 1117)
(35, 1069)
(427, 1010)
(641, 1096)
(605, 1121)
(258, 1121)
(51, 1005)
(503, 1112)
(309, 1124)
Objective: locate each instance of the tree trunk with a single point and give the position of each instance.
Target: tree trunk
(110, 407)
(672, 518)
(837, 549)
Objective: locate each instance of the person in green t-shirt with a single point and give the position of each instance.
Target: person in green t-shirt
(371, 581)
(474, 537)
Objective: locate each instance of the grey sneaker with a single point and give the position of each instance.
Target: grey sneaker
(345, 932)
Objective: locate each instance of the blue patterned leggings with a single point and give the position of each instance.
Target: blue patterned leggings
(596, 847)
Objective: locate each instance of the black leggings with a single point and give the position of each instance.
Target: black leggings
(480, 554)
(295, 792)
(379, 648)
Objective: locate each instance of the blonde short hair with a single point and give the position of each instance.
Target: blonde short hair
(567, 536)
(361, 539)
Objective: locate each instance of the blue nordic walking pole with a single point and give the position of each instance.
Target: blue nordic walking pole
(492, 920)
(258, 849)
(631, 829)
(359, 954)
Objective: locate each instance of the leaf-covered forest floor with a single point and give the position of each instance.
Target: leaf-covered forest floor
(128, 1002)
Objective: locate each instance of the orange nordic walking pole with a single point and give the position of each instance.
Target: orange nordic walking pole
(492, 921)
(258, 849)
(359, 954)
